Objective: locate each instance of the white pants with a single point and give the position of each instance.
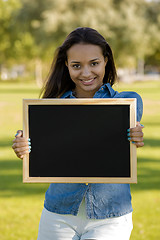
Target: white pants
(68, 227)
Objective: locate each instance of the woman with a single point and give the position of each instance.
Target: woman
(84, 67)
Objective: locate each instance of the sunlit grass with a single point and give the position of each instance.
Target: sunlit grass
(146, 194)
(21, 204)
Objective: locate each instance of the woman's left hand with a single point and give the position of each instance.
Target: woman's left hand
(135, 135)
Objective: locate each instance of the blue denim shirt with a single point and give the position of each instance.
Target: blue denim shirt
(102, 200)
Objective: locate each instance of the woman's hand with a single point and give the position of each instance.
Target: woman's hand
(21, 145)
(135, 135)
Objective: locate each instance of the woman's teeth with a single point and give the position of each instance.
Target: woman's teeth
(87, 80)
(90, 80)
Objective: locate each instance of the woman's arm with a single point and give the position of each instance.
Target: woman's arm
(21, 145)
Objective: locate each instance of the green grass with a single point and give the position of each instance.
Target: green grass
(21, 204)
(146, 194)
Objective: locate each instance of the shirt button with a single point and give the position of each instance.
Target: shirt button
(87, 184)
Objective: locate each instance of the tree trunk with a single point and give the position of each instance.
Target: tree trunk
(140, 67)
(38, 72)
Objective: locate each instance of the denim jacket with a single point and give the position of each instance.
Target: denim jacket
(102, 200)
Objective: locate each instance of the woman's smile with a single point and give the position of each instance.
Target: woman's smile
(88, 81)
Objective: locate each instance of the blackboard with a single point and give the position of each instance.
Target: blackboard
(79, 140)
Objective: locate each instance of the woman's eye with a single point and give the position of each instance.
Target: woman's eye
(76, 66)
(95, 63)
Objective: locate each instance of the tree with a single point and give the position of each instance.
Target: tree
(122, 23)
(33, 29)
(7, 36)
(152, 16)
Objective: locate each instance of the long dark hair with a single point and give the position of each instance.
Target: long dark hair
(59, 80)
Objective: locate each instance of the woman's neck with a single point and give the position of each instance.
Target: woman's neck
(83, 95)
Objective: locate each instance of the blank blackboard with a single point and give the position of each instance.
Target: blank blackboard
(79, 140)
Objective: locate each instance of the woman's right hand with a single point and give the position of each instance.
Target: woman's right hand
(21, 145)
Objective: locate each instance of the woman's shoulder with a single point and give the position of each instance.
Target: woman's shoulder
(124, 94)
(131, 94)
(128, 94)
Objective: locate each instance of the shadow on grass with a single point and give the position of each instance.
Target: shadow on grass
(12, 185)
(152, 142)
(11, 181)
(148, 177)
(6, 142)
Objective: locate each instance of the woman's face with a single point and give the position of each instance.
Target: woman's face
(86, 65)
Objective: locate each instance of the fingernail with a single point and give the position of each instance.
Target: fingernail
(133, 142)
(129, 138)
(128, 130)
(128, 134)
(29, 147)
(29, 143)
(29, 150)
(16, 134)
(29, 139)
(142, 125)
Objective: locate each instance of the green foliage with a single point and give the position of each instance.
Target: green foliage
(33, 29)
(121, 23)
(7, 36)
(152, 16)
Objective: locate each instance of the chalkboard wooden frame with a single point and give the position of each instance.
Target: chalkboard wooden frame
(40, 104)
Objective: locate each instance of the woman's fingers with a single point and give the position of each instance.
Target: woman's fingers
(21, 149)
(21, 145)
(135, 135)
(139, 144)
(21, 154)
(20, 140)
(136, 139)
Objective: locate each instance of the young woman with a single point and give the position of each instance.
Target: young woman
(84, 67)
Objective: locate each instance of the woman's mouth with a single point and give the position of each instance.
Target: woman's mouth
(88, 81)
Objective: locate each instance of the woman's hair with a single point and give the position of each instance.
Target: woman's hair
(58, 80)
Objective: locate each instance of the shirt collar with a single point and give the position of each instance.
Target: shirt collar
(106, 86)
(111, 90)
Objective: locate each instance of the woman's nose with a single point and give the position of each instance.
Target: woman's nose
(86, 72)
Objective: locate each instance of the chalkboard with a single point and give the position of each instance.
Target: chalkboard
(79, 140)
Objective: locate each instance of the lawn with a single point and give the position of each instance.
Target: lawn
(21, 204)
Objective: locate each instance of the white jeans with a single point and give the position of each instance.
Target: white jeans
(68, 227)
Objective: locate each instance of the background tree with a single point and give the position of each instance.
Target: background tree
(152, 16)
(31, 30)
(7, 36)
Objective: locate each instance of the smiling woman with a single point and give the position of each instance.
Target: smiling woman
(84, 67)
(85, 55)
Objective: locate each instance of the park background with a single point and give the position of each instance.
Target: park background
(29, 33)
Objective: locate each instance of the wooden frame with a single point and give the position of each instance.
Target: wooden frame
(32, 104)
